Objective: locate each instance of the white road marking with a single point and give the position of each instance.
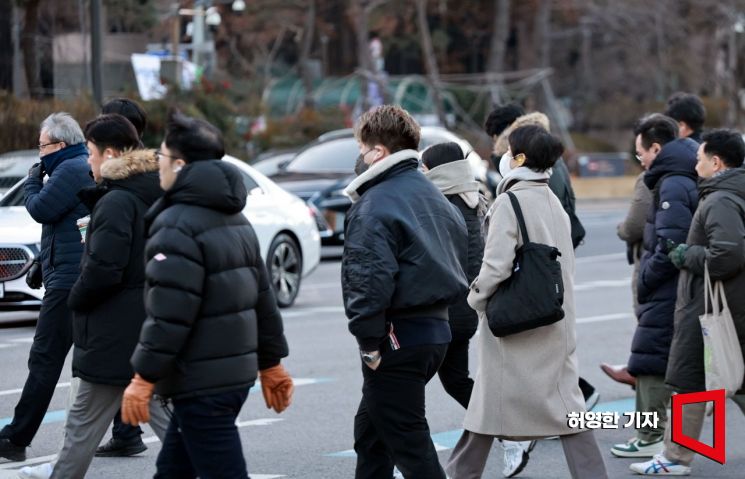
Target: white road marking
(146, 440)
(8, 392)
(605, 317)
(612, 283)
(600, 257)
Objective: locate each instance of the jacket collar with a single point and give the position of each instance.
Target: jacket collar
(52, 160)
(377, 173)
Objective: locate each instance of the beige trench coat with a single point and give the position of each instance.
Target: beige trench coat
(526, 383)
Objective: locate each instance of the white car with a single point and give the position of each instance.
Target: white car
(284, 224)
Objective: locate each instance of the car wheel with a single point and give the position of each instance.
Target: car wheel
(285, 269)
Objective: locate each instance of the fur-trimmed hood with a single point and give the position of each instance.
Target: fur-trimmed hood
(130, 163)
(536, 118)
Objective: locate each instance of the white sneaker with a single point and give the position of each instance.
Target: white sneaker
(659, 465)
(42, 471)
(515, 456)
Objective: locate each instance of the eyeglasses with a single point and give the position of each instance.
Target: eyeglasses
(42, 146)
(160, 153)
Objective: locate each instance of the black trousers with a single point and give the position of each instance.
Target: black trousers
(52, 342)
(124, 432)
(202, 439)
(454, 372)
(390, 427)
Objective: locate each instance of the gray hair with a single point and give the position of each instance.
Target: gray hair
(63, 127)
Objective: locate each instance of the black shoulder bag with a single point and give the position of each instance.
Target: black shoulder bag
(534, 294)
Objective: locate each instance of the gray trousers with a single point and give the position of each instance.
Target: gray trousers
(693, 421)
(652, 396)
(581, 450)
(87, 422)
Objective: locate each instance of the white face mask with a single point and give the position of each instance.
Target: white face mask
(504, 164)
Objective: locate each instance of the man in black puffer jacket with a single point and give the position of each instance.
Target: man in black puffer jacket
(671, 177)
(400, 272)
(213, 320)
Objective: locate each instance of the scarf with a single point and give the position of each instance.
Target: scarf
(52, 160)
(522, 173)
(456, 178)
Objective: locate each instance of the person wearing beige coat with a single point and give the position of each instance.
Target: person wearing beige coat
(526, 384)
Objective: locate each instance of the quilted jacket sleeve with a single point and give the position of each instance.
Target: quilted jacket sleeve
(106, 253)
(49, 203)
(175, 279)
(272, 342)
(672, 222)
(725, 235)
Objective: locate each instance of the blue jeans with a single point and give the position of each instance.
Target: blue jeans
(202, 439)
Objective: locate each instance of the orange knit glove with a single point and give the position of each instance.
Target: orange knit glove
(277, 387)
(136, 401)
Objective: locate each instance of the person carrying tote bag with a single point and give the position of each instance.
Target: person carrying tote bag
(535, 281)
(723, 361)
(507, 403)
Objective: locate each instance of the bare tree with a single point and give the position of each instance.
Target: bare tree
(360, 11)
(498, 47)
(29, 47)
(308, 36)
(430, 61)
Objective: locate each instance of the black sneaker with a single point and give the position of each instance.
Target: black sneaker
(121, 448)
(589, 393)
(12, 451)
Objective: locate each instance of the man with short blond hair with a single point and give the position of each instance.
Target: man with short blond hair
(400, 272)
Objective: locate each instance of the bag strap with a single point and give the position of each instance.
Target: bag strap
(519, 215)
(707, 287)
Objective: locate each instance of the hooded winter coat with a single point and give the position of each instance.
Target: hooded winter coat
(717, 237)
(106, 300)
(212, 317)
(672, 181)
(56, 206)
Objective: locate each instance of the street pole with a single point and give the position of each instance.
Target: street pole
(96, 48)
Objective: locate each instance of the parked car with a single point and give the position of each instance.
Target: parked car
(284, 225)
(14, 166)
(271, 162)
(320, 172)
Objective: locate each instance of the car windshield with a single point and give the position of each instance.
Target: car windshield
(335, 155)
(13, 197)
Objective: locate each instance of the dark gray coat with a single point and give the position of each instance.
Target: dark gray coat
(717, 236)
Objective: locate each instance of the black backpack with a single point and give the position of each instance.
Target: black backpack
(534, 294)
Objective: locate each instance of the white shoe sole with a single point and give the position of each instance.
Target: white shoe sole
(646, 453)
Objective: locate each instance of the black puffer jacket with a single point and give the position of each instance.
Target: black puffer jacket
(718, 237)
(400, 258)
(463, 319)
(672, 180)
(107, 302)
(212, 318)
